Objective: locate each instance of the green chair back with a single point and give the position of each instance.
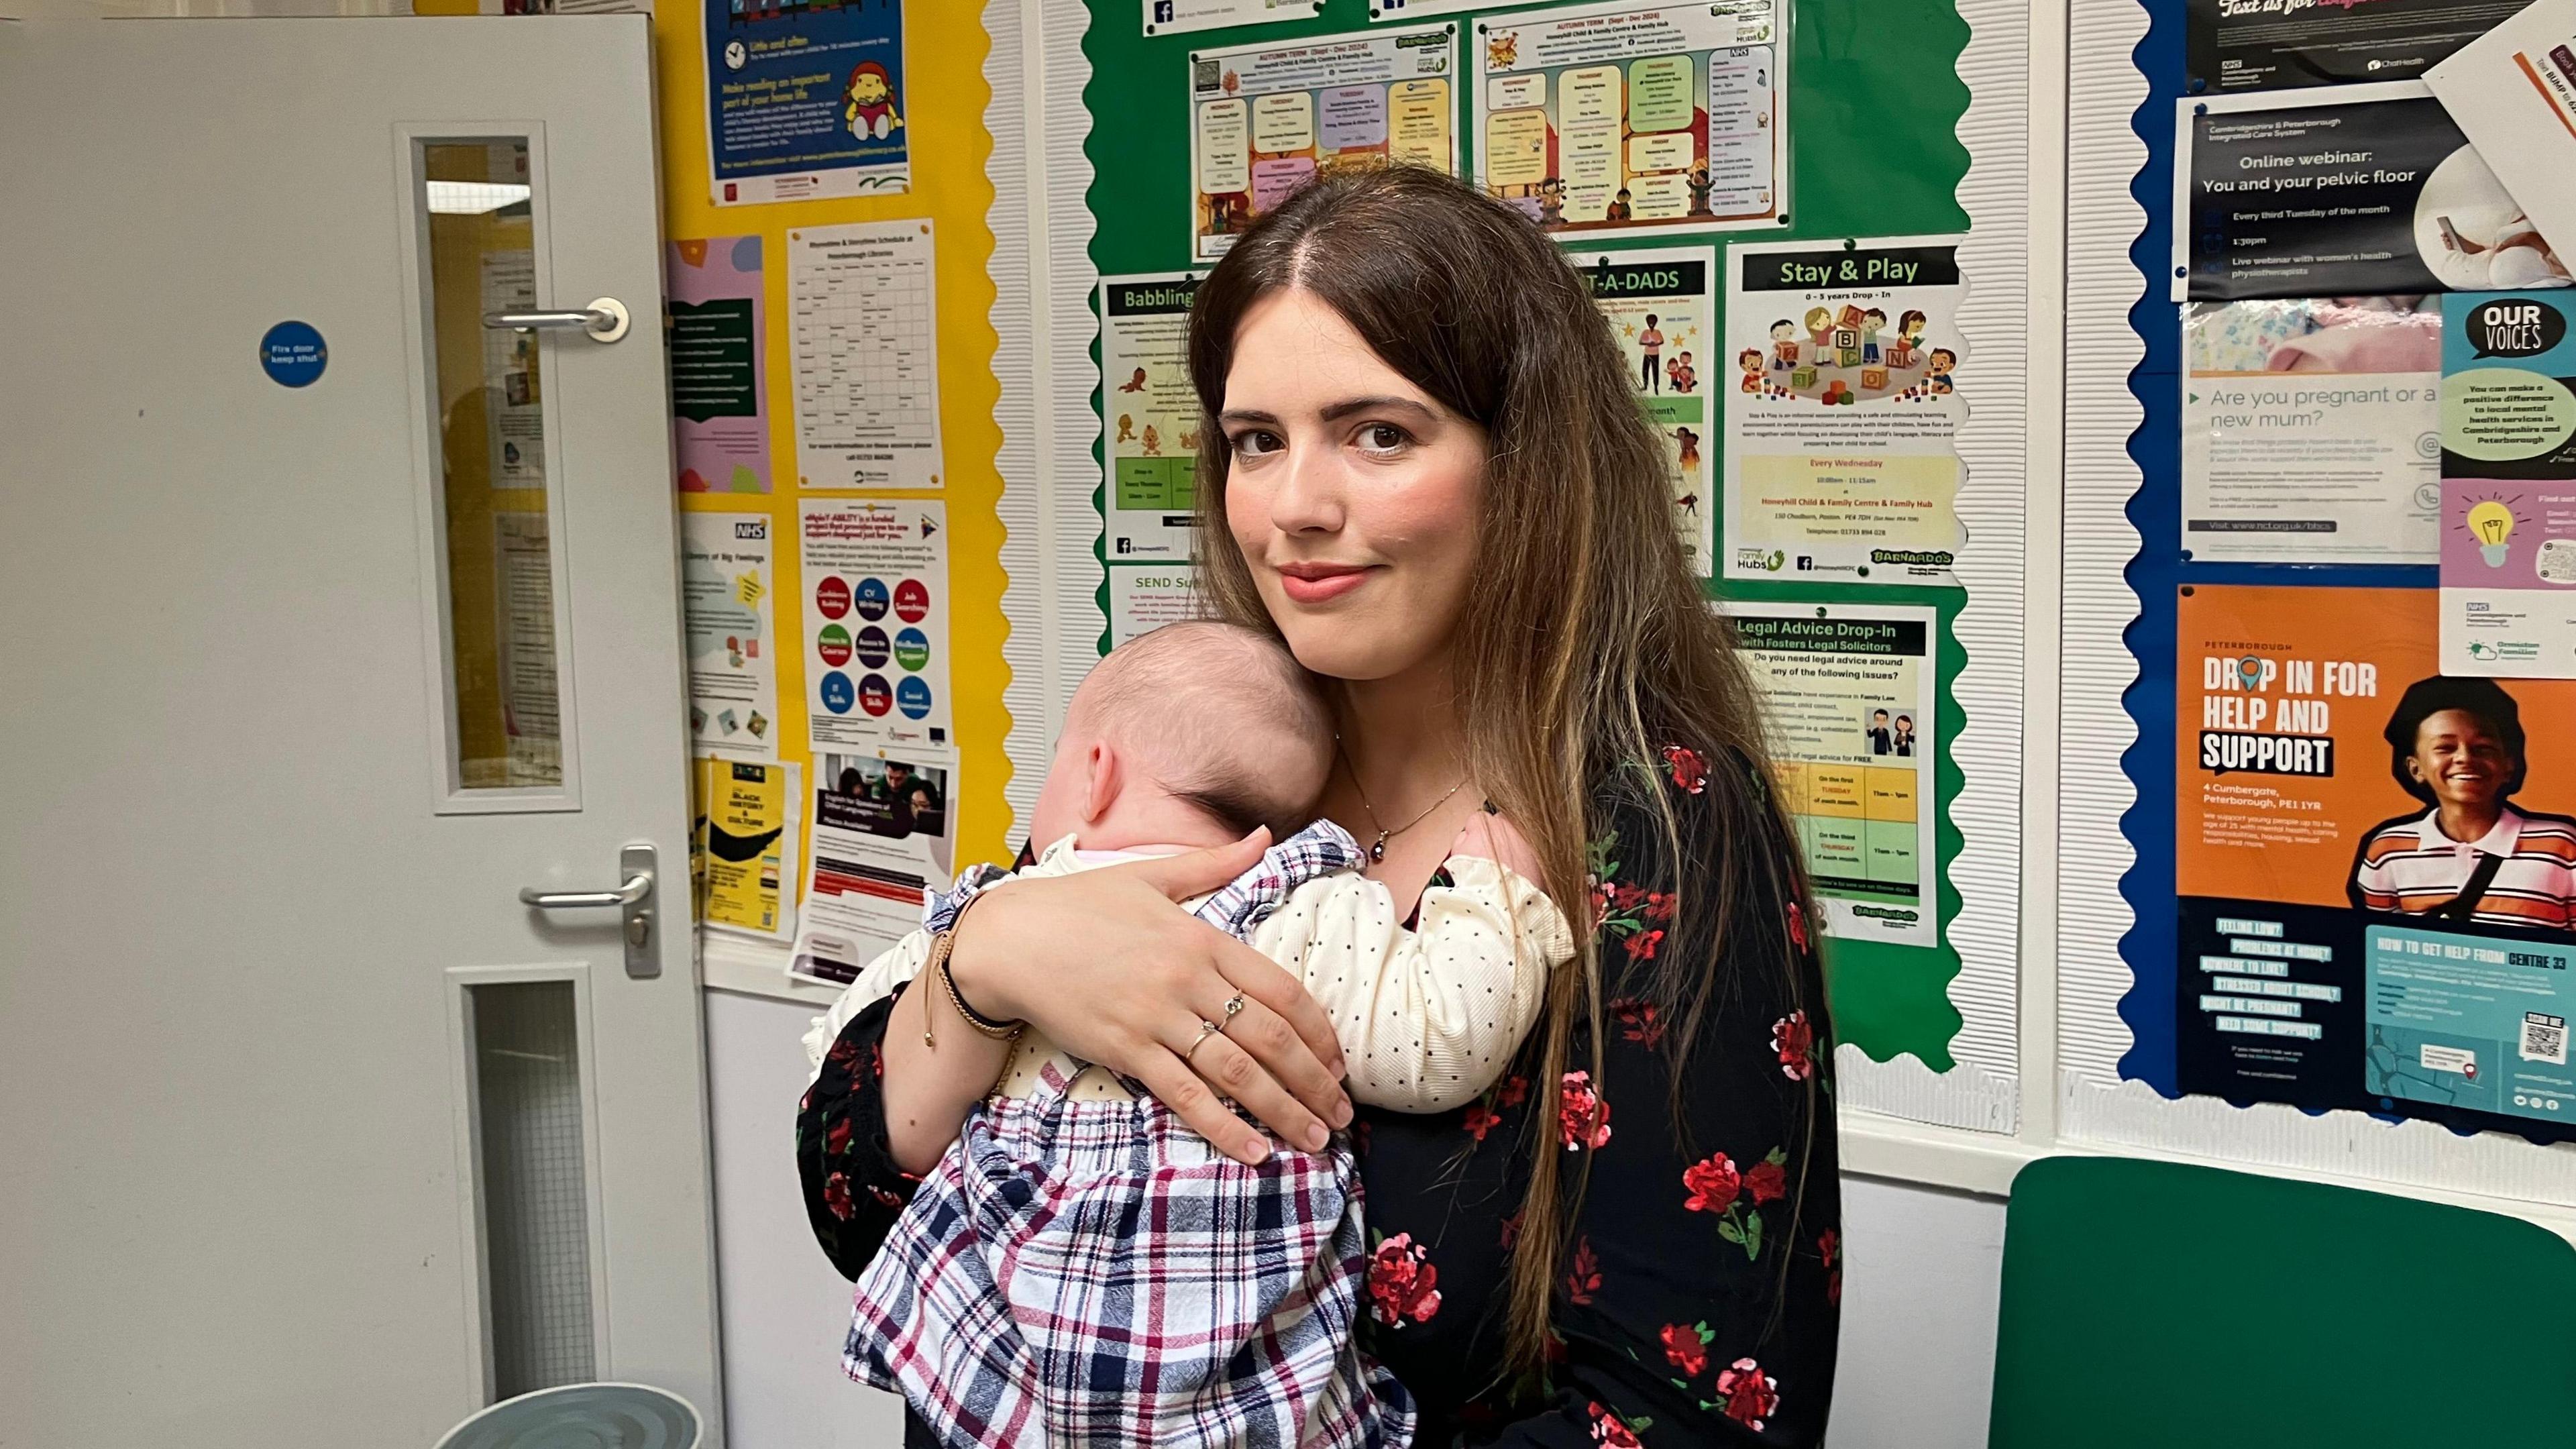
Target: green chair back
(2154, 1306)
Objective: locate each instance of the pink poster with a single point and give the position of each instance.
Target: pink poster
(719, 366)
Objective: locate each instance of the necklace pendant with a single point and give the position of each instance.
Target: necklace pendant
(1377, 847)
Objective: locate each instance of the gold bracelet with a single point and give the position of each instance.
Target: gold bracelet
(942, 946)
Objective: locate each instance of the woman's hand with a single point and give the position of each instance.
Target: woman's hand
(1105, 965)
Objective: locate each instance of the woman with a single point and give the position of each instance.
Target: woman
(2457, 746)
(1428, 475)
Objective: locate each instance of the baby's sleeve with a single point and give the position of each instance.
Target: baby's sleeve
(898, 964)
(1430, 1017)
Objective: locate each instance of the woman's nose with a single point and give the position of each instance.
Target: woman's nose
(1309, 499)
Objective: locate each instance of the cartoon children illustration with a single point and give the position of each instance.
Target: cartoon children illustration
(1689, 459)
(1938, 370)
(1618, 207)
(1503, 51)
(1909, 336)
(1126, 428)
(1872, 323)
(1651, 343)
(1153, 442)
(1751, 362)
(1700, 186)
(1134, 384)
(1784, 343)
(1190, 441)
(1681, 374)
(1820, 324)
(868, 102)
(1551, 202)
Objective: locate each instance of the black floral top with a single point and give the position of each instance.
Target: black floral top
(1699, 1295)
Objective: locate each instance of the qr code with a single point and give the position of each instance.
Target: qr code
(2544, 1038)
(1204, 76)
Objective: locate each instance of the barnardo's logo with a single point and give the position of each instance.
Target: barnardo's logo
(1897, 914)
(1930, 558)
(1769, 562)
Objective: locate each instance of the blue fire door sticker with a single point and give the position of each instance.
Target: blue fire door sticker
(293, 354)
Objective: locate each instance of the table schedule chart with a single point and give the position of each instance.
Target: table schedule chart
(862, 326)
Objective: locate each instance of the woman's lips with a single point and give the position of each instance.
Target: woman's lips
(1316, 583)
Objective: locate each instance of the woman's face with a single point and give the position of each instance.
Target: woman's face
(1352, 494)
(2461, 758)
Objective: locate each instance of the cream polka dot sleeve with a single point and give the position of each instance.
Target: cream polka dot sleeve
(1427, 1017)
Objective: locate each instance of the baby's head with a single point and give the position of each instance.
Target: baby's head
(1191, 735)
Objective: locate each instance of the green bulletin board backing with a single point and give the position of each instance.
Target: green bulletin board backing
(1875, 102)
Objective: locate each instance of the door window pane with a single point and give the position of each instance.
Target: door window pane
(491, 428)
(536, 1189)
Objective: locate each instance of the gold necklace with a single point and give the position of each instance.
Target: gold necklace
(1377, 847)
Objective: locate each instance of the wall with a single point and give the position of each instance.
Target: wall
(1918, 1298)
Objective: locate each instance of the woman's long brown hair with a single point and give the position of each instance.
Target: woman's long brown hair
(1585, 646)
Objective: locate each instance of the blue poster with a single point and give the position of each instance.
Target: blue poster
(2474, 1021)
(805, 98)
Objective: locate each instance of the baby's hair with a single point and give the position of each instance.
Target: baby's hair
(1221, 712)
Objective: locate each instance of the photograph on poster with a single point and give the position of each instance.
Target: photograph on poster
(2375, 863)
(1179, 17)
(2372, 193)
(805, 100)
(884, 832)
(1266, 118)
(1149, 415)
(1626, 118)
(719, 342)
(2256, 45)
(745, 871)
(1849, 692)
(863, 343)
(1142, 600)
(2312, 430)
(1840, 456)
(2513, 94)
(1662, 309)
(876, 624)
(725, 579)
(2508, 525)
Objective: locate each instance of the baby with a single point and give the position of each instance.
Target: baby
(1081, 1267)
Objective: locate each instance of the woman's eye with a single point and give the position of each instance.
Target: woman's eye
(1253, 442)
(1382, 437)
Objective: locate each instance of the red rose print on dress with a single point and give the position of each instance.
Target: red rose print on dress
(1639, 1021)
(1830, 1245)
(1713, 1183)
(1513, 1091)
(843, 1052)
(1641, 947)
(1686, 1346)
(1403, 1286)
(1479, 1119)
(1768, 1181)
(1797, 926)
(1750, 1396)
(1717, 1185)
(836, 1195)
(1511, 1229)
(1584, 1278)
(1793, 1037)
(837, 1140)
(1582, 1117)
(1688, 770)
(1607, 1429)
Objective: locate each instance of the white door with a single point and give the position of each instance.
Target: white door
(310, 1132)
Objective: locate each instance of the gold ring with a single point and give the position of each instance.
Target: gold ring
(1206, 1029)
(1231, 1007)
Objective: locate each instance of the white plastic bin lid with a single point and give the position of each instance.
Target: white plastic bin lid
(582, 1416)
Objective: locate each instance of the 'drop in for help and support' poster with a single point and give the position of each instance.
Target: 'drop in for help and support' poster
(1841, 462)
(875, 624)
(805, 100)
(725, 584)
(2375, 866)
(1848, 692)
(2508, 524)
(1149, 416)
(1662, 309)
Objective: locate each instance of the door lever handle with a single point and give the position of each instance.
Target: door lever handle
(636, 866)
(604, 320)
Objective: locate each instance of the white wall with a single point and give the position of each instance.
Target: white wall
(1918, 1292)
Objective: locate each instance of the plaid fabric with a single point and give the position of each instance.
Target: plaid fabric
(1082, 1272)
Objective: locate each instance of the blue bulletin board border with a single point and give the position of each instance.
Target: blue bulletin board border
(2161, 568)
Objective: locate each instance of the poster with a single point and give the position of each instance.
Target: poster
(805, 100)
(2252, 45)
(1848, 694)
(1662, 310)
(2373, 863)
(1264, 118)
(1149, 415)
(1142, 600)
(876, 624)
(2514, 95)
(1635, 118)
(863, 340)
(2374, 194)
(516, 439)
(726, 578)
(1840, 463)
(746, 846)
(1179, 17)
(719, 365)
(884, 832)
(531, 701)
(2509, 487)
(2311, 430)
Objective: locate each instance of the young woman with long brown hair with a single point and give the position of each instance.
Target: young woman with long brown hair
(1424, 471)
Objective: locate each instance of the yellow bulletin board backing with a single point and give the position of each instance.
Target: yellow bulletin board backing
(945, 94)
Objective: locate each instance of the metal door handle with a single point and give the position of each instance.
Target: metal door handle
(635, 898)
(604, 320)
